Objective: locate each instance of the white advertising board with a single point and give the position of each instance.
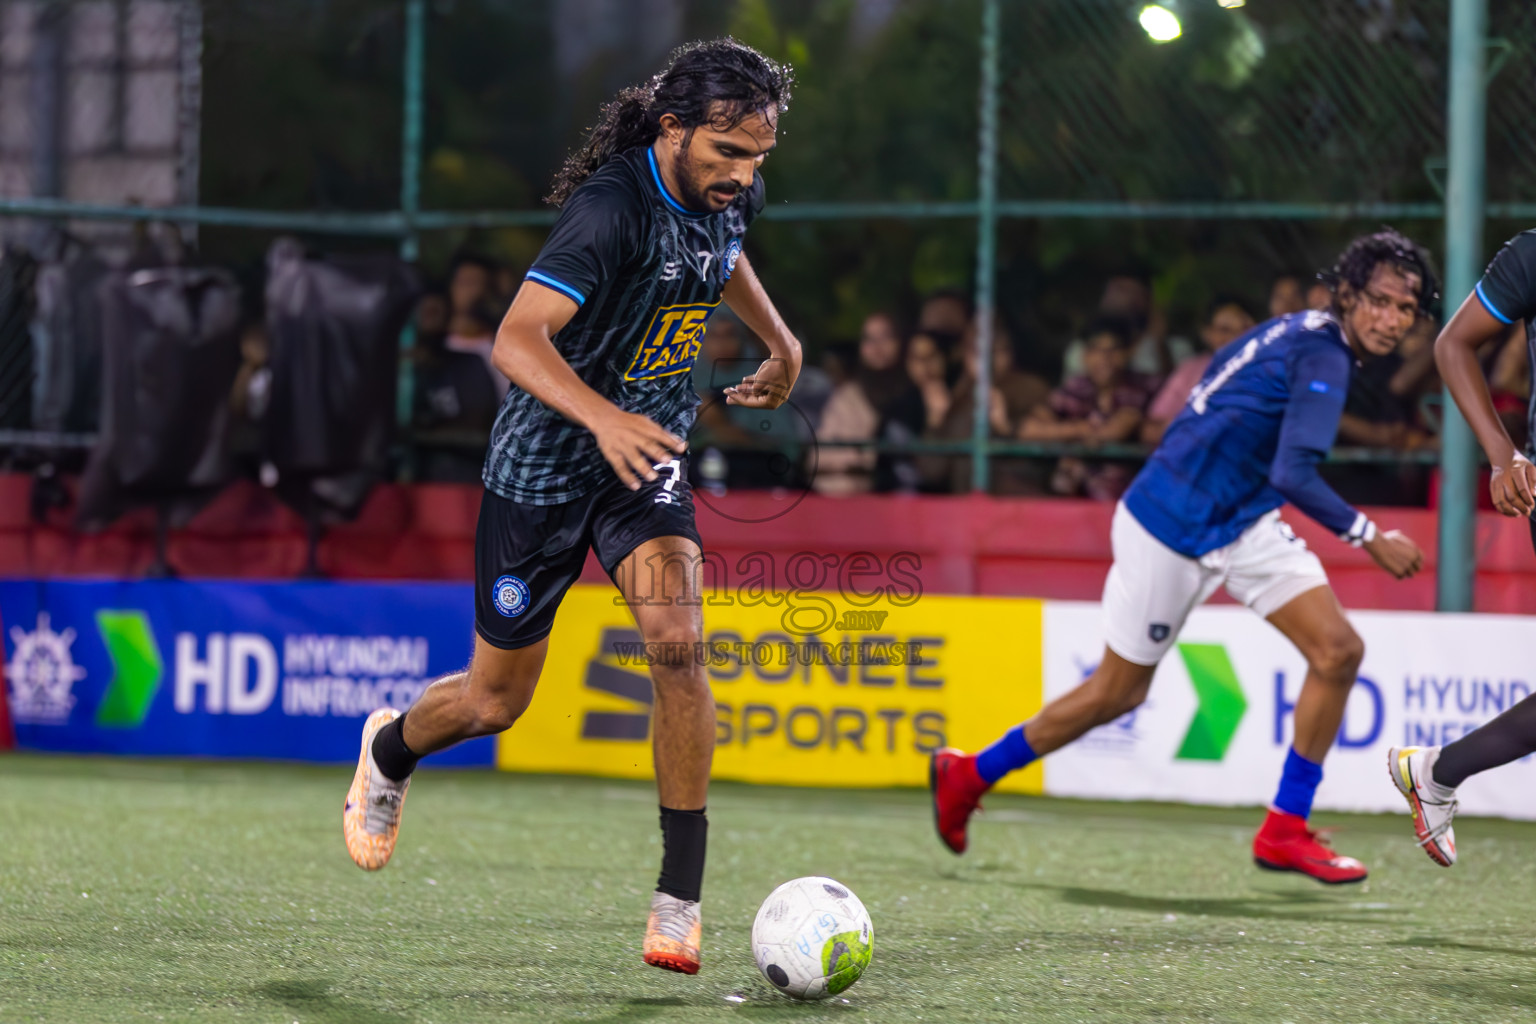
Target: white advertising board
(1218, 721)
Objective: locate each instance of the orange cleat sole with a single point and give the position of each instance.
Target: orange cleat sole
(671, 962)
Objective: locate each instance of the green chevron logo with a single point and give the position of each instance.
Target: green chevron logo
(1221, 703)
(136, 669)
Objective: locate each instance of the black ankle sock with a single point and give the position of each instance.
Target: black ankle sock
(1507, 738)
(394, 758)
(684, 835)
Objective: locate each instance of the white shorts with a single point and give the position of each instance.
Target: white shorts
(1151, 588)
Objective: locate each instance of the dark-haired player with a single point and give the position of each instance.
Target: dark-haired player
(1428, 776)
(588, 451)
(1205, 512)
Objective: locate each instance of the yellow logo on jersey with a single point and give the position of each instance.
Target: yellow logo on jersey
(671, 342)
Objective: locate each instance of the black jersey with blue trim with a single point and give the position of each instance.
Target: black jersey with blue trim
(647, 273)
(1508, 292)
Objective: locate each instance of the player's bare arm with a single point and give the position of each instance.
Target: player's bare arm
(524, 351)
(1514, 479)
(769, 387)
(1374, 319)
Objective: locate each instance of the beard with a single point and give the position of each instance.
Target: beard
(695, 195)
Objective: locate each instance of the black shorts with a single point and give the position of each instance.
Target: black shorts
(527, 556)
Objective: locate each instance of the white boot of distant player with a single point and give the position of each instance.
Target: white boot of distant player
(1433, 805)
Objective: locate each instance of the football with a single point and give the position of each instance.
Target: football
(812, 938)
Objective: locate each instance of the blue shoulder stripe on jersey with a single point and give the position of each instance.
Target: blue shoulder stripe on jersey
(557, 284)
(1489, 306)
(650, 155)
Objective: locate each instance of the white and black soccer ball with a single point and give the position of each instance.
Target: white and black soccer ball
(812, 938)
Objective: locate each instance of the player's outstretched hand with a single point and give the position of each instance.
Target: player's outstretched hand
(1514, 486)
(1396, 553)
(634, 445)
(768, 388)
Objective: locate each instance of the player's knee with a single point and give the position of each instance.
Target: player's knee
(1339, 656)
(497, 712)
(673, 654)
(497, 705)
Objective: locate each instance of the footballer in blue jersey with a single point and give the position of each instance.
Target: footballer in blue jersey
(1503, 301)
(1205, 513)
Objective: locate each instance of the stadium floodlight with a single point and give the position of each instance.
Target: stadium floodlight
(1162, 25)
(1232, 4)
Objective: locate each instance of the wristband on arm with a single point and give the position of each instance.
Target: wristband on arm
(1362, 532)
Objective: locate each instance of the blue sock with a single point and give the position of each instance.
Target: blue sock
(1298, 784)
(1008, 754)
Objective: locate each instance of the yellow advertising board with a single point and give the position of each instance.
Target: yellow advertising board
(861, 703)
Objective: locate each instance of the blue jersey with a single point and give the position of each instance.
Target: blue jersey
(1250, 438)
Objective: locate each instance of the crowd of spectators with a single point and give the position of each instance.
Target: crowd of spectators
(1123, 378)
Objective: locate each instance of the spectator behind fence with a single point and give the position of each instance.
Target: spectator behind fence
(1103, 405)
(926, 367)
(1319, 297)
(1128, 298)
(1014, 394)
(454, 395)
(453, 390)
(432, 313)
(860, 408)
(945, 317)
(475, 313)
(1225, 321)
(1287, 294)
(920, 409)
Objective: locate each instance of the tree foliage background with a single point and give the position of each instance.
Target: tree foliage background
(1329, 102)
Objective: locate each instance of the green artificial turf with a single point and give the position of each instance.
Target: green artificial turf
(133, 890)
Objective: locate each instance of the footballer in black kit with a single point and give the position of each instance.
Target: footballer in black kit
(646, 273)
(1428, 776)
(588, 450)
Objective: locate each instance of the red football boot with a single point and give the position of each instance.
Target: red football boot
(957, 790)
(1285, 843)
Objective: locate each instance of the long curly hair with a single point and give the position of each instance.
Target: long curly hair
(1361, 257)
(719, 82)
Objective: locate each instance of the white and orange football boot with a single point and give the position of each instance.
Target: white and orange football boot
(370, 820)
(673, 934)
(1433, 805)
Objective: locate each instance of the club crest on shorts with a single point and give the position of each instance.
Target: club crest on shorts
(1159, 631)
(510, 596)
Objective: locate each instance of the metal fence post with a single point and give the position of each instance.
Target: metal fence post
(410, 187)
(1464, 212)
(986, 241)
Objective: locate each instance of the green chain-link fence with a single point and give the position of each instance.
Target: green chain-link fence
(1025, 149)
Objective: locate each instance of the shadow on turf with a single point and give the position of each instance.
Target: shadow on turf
(761, 1001)
(644, 1008)
(1430, 942)
(311, 1001)
(1504, 991)
(1319, 907)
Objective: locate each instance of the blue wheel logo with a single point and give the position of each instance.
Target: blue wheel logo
(510, 596)
(732, 254)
